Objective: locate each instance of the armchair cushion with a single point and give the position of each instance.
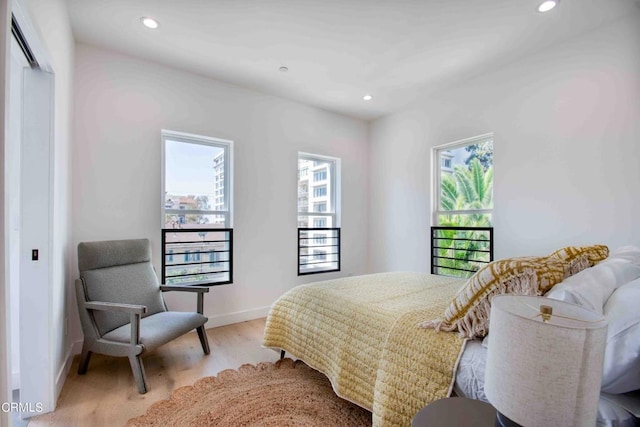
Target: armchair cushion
(130, 284)
(93, 255)
(159, 328)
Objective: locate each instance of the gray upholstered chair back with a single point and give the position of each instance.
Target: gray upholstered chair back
(119, 271)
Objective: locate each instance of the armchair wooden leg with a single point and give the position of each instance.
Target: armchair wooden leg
(84, 360)
(202, 334)
(138, 373)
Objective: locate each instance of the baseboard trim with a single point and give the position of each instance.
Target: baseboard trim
(74, 349)
(237, 317)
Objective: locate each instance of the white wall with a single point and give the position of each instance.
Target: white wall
(52, 21)
(122, 103)
(567, 134)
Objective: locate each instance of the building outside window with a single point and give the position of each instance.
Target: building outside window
(463, 197)
(318, 208)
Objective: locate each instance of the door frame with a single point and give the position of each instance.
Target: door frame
(40, 323)
(5, 331)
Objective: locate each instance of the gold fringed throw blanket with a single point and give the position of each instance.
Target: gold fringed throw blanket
(362, 333)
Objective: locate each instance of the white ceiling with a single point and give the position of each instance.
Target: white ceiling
(338, 50)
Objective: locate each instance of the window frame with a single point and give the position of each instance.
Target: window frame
(332, 198)
(436, 167)
(187, 138)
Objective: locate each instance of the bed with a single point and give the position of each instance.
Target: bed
(363, 333)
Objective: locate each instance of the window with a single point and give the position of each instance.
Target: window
(196, 209)
(320, 191)
(462, 236)
(318, 208)
(319, 255)
(320, 175)
(216, 259)
(191, 257)
(464, 183)
(196, 181)
(319, 222)
(319, 239)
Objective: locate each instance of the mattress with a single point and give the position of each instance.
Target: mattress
(470, 383)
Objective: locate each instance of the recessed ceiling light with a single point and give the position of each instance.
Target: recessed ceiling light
(367, 97)
(149, 22)
(283, 69)
(547, 5)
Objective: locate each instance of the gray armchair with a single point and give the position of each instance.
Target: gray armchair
(121, 306)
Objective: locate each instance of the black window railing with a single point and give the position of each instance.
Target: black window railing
(197, 256)
(460, 251)
(318, 250)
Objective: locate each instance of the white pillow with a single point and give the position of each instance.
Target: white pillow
(591, 287)
(621, 371)
(630, 253)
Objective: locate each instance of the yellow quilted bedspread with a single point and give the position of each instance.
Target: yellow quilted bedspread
(362, 333)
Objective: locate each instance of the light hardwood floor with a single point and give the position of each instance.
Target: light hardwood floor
(107, 395)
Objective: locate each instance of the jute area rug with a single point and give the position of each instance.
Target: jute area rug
(285, 393)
